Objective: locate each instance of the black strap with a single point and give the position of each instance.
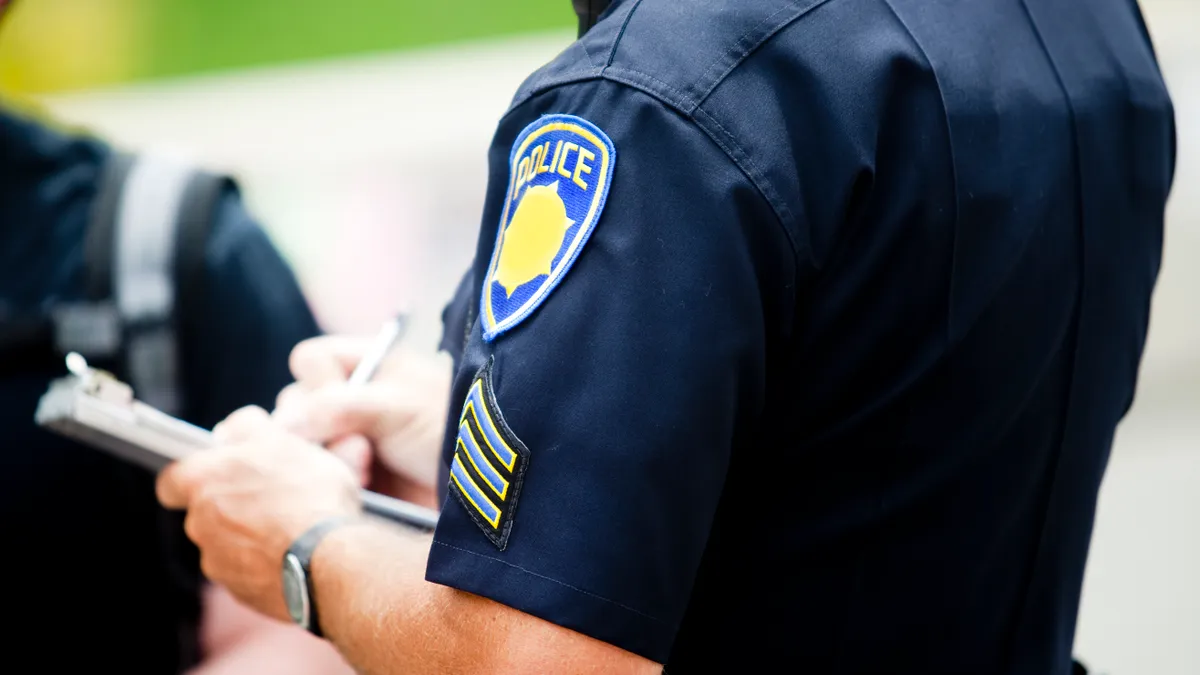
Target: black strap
(197, 214)
(99, 245)
(28, 344)
(589, 12)
(303, 548)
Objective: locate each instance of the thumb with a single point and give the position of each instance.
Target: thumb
(327, 359)
(355, 451)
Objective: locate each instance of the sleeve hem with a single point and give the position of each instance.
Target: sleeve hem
(551, 600)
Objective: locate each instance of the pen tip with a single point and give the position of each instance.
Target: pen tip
(76, 364)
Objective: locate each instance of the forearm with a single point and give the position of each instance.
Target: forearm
(237, 640)
(382, 615)
(275, 649)
(375, 604)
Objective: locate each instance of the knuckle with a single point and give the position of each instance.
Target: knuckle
(166, 486)
(290, 396)
(301, 350)
(208, 566)
(339, 417)
(210, 512)
(220, 512)
(250, 414)
(193, 525)
(243, 422)
(284, 394)
(221, 507)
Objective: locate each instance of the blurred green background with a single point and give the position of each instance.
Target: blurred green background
(56, 45)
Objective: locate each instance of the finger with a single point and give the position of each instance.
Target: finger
(328, 359)
(194, 524)
(242, 424)
(344, 410)
(288, 396)
(291, 407)
(178, 484)
(355, 451)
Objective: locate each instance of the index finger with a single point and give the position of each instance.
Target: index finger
(327, 359)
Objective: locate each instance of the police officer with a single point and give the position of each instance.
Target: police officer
(796, 338)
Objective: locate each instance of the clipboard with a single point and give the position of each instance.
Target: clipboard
(93, 407)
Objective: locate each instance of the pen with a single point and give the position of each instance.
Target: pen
(388, 336)
(373, 502)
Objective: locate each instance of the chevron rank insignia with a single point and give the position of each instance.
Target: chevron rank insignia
(489, 462)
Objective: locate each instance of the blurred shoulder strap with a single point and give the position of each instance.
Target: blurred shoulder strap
(93, 327)
(144, 258)
(196, 217)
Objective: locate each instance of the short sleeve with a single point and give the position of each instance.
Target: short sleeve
(254, 314)
(594, 432)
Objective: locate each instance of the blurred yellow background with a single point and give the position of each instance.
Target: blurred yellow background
(54, 45)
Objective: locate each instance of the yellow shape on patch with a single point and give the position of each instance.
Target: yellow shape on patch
(533, 238)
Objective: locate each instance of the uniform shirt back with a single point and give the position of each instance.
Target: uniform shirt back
(834, 380)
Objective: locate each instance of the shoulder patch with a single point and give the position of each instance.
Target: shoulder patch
(559, 170)
(489, 462)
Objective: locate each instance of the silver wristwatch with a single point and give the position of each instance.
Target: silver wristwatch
(297, 576)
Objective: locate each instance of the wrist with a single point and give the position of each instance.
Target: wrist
(326, 568)
(299, 589)
(358, 572)
(404, 487)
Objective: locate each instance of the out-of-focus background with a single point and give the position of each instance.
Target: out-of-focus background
(358, 129)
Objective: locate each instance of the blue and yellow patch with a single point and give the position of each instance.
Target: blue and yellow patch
(489, 462)
(560, 170)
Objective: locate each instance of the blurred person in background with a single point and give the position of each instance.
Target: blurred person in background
(797, 334)
(98, 574)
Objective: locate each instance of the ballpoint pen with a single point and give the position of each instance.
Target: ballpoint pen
(388, 336)
(373, 502)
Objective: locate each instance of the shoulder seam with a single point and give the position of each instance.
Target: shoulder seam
(751, 41)
(741, 159)
(721, 137)
(949, 139)
(650, 85)
(666, 95)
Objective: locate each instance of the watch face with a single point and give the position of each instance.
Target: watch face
(295, 590)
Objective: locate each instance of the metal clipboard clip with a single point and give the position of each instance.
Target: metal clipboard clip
(95, 408)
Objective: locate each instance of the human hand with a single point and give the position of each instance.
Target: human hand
(250, 498)
(401, 412)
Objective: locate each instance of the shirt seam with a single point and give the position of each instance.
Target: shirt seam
(783, 214)
(950, 337)
(736, 58)
(630, 78)
(552, 580)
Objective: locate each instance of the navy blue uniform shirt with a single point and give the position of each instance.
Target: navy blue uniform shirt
(798, 330)
(96, 573)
